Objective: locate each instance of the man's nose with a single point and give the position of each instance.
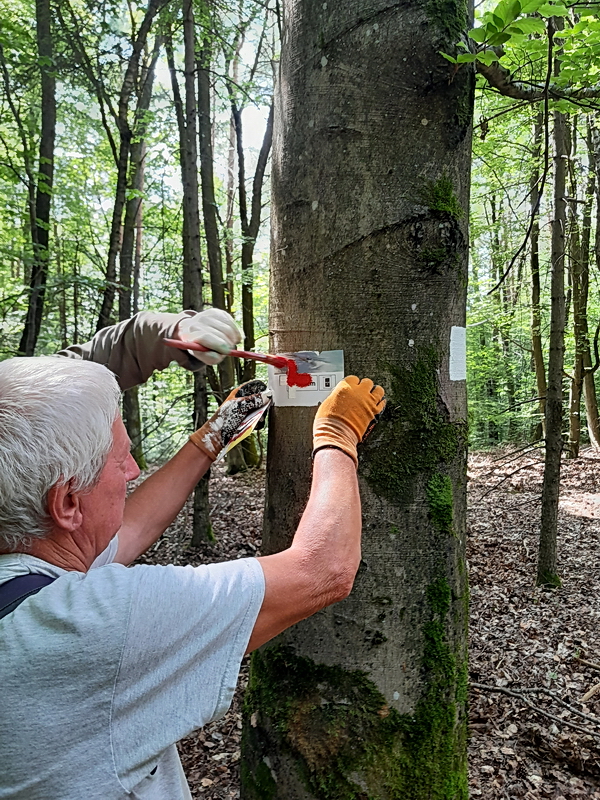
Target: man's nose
(133, 471)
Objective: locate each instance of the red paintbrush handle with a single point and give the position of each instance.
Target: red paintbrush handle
(275, 361)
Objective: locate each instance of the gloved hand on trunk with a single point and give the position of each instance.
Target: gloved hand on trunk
(348, 415)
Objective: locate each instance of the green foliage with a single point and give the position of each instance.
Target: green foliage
(85, 178)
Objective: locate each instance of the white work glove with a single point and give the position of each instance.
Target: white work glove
(212, 328)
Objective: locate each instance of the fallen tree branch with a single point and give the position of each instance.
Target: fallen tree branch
(583, 661)
(520, 695)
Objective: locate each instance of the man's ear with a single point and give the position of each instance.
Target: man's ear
(64, 507)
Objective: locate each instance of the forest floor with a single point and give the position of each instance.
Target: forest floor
(534, 653)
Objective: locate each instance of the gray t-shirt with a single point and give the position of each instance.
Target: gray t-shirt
(102, 672)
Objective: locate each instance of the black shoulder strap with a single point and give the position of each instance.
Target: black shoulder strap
(13, 592)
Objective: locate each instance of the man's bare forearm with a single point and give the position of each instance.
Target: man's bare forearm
(319, 567)
(151, 508)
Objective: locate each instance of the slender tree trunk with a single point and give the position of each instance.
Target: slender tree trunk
(235, 458)
(368, 697)
(133, 209)
(62, 292)
(589, 385)
(547, 568)
(192, 261)
(128, 86)
(250, 224)
(579, 294)
(40, 230)
(536, 310)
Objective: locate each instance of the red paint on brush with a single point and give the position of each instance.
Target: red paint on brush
(294, 378)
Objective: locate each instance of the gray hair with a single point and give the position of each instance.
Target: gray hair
(56, 418)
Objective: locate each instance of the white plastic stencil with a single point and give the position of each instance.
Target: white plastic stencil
(326, 370)
(458, 354)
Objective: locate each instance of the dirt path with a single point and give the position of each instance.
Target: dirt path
(520, 637)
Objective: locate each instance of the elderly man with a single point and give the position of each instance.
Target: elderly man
(106, 667)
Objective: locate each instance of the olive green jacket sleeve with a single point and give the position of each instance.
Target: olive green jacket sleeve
(133, 349)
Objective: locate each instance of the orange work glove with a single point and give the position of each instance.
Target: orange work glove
(347, 416)
(212, 437)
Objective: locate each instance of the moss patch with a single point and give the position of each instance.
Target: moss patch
(450, 17)
(258, 784)
(550, 579)
(441, 502)
(439, 197)
(347, 743)
(415, 435)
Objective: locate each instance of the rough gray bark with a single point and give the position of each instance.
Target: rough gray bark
(546, 570)
(40, 229)
(371, 162)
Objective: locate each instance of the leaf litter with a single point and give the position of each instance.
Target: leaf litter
(534, 706)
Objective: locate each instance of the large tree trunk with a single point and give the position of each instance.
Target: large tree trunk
(546, 571)
(40, 230)
(370, 172)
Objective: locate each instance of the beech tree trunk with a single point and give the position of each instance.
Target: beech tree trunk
(547, 569)
(40, 228)
(371, 162)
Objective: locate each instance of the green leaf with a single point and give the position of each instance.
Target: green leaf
(548, 10)
(462, 45)
(478, 34)
(499, 38)
(487, 57)
(530, 6)
(530, 25)
(466, 58)
(451, 59)
(498, 21)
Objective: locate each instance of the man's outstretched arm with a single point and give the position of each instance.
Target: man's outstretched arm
(134, 349)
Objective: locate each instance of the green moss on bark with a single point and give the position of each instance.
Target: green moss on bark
(441, 502)
(258, 784)
(450, 17)
(415, 435)
(550, 579)
(345, 740)
(439, 196)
